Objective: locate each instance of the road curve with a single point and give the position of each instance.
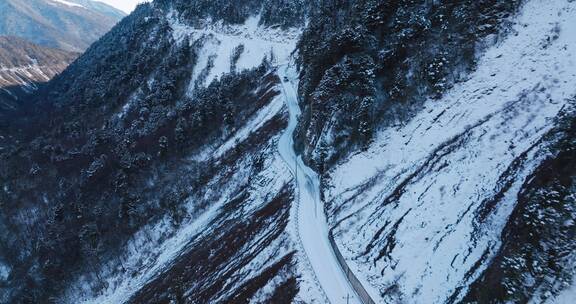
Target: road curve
(312, 223)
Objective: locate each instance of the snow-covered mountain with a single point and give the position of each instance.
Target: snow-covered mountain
(70, 25)
(270, 151)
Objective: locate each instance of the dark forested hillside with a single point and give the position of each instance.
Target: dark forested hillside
(366, 64)
(283, 13)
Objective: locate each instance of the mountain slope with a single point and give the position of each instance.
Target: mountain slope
(181, 145)
(100, 7)
(430, 210)
(23, 66)
(69, 25)
(23, 63)
(157, 167)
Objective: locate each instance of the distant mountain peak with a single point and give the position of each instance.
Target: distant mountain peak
(71, 25)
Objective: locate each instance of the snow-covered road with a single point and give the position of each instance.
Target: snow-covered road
(312, 224)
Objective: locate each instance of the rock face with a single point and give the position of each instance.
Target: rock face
(441, 133)
(71, 25)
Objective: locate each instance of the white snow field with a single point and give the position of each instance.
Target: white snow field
(68, 3)
(409, 210)
(311, 220)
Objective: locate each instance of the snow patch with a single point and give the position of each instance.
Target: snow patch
(68, 3)
(567, 296)
(220, 42)
(4, 271)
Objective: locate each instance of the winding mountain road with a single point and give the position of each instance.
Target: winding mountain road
(312, 223)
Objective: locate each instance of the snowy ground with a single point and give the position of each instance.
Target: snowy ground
(568, 296)
(219, 42)
(415, 218)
